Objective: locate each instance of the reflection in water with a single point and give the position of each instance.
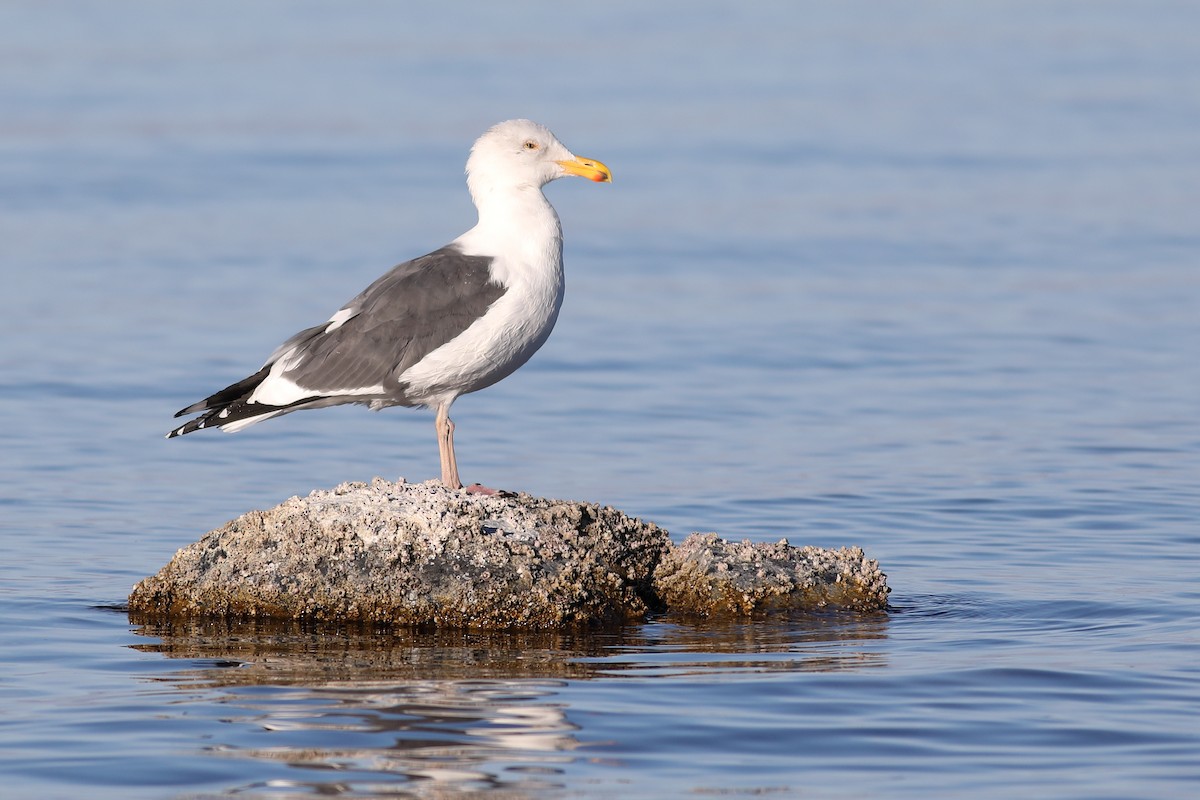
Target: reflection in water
(483, 734)
(362, 712)
(802, 643)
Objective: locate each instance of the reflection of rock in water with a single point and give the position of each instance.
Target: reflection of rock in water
(361, 711)
(258, 652)
(424, 555)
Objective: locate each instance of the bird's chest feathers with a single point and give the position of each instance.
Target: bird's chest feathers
(508, 333)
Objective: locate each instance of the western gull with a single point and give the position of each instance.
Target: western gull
(451, 322)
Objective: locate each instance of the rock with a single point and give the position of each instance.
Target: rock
(707, 576)
(412, 555)
(421, 554)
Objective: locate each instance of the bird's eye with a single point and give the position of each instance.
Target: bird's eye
(530, 144)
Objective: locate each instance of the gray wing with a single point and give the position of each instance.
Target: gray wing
(409, 312)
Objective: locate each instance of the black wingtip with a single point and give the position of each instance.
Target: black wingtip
(190, 426)
(180, 431)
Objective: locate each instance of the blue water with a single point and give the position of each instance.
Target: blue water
(919, 277)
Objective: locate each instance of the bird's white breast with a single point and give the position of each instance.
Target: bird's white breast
(495, 345)
(527, 261)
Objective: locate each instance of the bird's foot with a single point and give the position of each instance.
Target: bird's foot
(479, 488)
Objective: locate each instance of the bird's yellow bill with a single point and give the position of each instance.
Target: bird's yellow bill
(588, 168)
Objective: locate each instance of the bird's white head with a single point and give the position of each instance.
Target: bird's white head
(521, 154)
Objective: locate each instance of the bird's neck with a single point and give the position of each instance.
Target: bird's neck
(519, 226)
(513, 205)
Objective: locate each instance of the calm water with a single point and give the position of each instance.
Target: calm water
(917, 277)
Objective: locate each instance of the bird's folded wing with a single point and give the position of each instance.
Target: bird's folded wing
(406, 314)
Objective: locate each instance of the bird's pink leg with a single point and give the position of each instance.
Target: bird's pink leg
(445, 434)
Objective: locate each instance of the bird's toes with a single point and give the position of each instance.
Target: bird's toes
(479, 488)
